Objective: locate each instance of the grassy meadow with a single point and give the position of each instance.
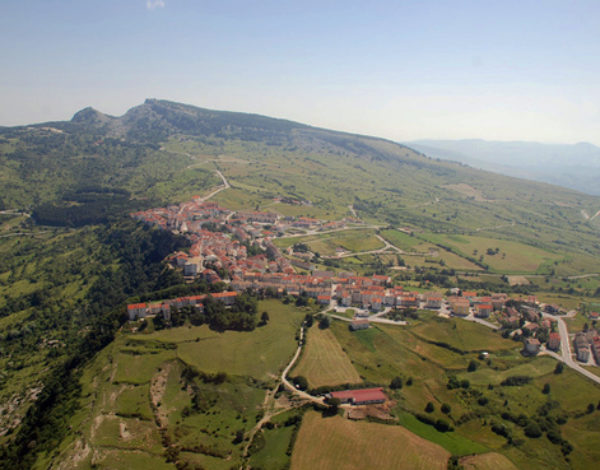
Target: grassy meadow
(323, 362)
(325, 443)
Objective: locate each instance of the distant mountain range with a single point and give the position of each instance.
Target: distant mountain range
(575, 166)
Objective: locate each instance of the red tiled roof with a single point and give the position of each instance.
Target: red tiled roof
(224, 294)
(364, 394)
(135, 306)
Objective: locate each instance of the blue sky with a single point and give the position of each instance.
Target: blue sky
(508, 70)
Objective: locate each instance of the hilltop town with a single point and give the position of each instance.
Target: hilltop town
(237, 249)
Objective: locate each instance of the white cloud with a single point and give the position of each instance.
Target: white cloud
(152, 4)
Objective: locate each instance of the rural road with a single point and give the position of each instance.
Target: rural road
(223, 187)
(290, 386)
(387, 246)
(481, 321)
(316, 232)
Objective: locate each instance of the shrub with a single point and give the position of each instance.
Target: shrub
(396, 383)
(300, 382)
(516, 380)
(442, 426)
(532, 430)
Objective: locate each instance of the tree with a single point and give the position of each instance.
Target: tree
(446, 408)
(532, 429)
(590, 408)
(300, 382)
(472, 366)
(324, 322)
(429, 407)
(559, 368)
(264, 319)
(546, 389)
(333, 406)
(396, 383)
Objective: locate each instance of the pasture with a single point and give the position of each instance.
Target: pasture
(260, 353)
(504, 256)
(461, 334)
(353, 240)
(323, 362)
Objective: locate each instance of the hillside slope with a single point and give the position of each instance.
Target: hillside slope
(161, 150)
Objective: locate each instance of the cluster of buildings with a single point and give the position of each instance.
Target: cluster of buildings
(237, 247)
(481, 306)
(221, 239)
(587, 343)
(163, 308)
(527, 320)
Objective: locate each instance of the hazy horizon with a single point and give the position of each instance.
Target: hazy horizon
(399, 70)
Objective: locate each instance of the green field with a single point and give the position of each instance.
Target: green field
(260, 354)
(461, 334)
(326, 443)
(325, 244)
(512, 257)
(323, 361)
(419, 253)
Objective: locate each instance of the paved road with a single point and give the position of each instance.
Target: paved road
(481, 321)
(317, 232)
(375, 318)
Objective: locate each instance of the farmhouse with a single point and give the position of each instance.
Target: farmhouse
(363, 396)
